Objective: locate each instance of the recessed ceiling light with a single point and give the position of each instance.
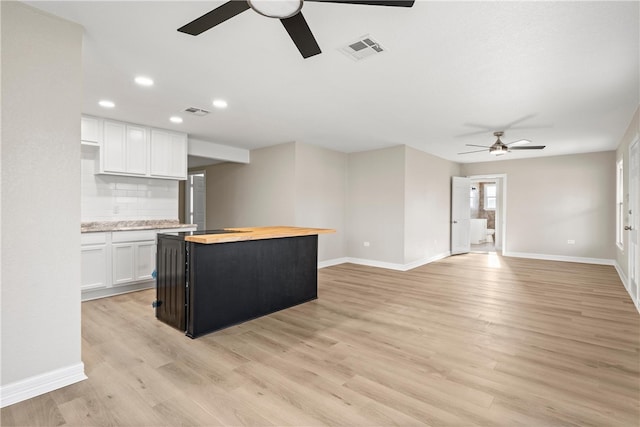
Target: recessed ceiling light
(175, 119)
(106, 104)
(144, 81)
(220, 103)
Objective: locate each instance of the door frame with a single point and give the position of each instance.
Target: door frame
(633, 208)
(501, 179)
(187, 195)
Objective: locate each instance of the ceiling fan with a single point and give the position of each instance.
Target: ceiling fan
(499, 148)
(288, 11)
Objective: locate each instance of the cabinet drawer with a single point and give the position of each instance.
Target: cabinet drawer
(133, 236)
(93, 238)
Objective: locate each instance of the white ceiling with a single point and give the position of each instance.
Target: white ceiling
(562, 74)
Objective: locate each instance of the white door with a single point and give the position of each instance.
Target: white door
(460, 215)
(634, 217)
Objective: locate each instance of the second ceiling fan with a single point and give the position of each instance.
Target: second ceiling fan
(499, 148)
(289, 13)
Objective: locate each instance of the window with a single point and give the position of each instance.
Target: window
(490, 197)
(619, 204)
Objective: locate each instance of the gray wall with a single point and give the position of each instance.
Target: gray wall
(256, 194)
(553, 199)
(40, 178)
(397, 199)
(427, 205)
(375, 211)
(321, 196)
(287, 184)
(633, 131)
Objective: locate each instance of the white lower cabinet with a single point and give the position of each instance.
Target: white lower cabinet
(134, 255)
(122, 263)
(94, 267)
(93, 258)
(119, 261)
(133, 262)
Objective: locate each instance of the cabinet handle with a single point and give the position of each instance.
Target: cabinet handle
(628, 227)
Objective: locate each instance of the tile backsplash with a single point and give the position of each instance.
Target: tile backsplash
(123, 198)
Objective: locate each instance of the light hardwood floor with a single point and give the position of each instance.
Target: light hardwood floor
(458, 342)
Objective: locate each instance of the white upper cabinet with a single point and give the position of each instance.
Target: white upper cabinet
(90, 130)
(168, 154)
(128, 149)
(137, 148)
(124, 148)
(113, 156)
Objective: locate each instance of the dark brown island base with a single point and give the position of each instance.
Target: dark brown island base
(209, 280)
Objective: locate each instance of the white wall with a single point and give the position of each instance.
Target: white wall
(41, 98)
(375, 210)
(551, 200)
(321, 196)
(123, 198)
(427, 214)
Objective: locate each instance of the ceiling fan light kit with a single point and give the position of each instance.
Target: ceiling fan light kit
(276, 9)
(499, 148)
(288, 11)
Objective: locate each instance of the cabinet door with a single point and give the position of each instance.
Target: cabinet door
(114, 147)
(145, 260)
(178, 156)
(168, 154)
(136, 150)
(123, 263)
(160, 144)
(90, 130)
(93, 267)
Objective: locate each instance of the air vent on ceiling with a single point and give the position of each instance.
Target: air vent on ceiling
(362, 48)
(196, 111)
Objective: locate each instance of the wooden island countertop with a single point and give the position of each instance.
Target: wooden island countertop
(256, 233)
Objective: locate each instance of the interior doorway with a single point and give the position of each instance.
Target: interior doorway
(487, 202)
(195, 199)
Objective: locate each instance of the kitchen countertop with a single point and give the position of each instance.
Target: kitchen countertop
(255, 233)
(97, 226)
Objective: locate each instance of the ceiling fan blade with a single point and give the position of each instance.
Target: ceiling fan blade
(398, 3)
(215, 17)
(301, 35)
(510, 125)
(476, 151)
(528, 147)
(474, 145)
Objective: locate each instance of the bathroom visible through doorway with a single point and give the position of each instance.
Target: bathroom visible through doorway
(486, 216)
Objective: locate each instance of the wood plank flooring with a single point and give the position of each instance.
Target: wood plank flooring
(470, 340)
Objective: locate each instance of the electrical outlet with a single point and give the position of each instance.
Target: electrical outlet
(571, 242)
(367, 244)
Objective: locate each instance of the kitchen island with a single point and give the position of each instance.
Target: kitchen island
(212, 279)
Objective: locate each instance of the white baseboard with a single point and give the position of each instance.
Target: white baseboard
(383, 264)
(625, 282)
(116, 290)
(330, 262)
(564, 258)
(35, 386)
